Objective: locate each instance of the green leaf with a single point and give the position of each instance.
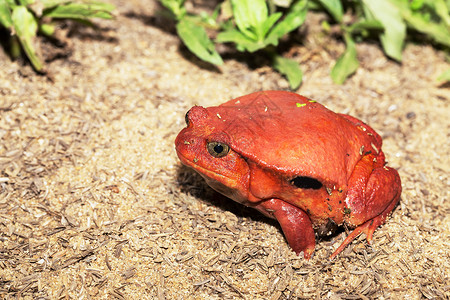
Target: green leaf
(47, 29)
(176, 7)
(198, 42)
(416, 4)
(289, 68)
(294, 18)
(445, 76)
(51, 3)
(15, 50)
(243, 43)
(86, 10)
(438, 32)
(365, 25)
(393, 37)
(443, 11)
(26, 2)
(26, 27)
(249, 15)
(270, 21)
(334, 7)
(435, 7)
(5, 14)
(347, 63)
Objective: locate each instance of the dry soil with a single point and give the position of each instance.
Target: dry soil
(95, 204)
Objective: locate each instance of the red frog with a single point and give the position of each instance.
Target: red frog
(293, 160)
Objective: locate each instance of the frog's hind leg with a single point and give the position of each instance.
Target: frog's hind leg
(375, 192)
(368, 228)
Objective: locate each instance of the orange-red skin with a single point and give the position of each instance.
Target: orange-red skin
(275, 136)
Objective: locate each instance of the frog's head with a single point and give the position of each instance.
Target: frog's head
(205, 147)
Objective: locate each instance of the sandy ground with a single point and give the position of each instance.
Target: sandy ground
(95, 204)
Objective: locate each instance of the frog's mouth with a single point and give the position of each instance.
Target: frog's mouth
(231, 187)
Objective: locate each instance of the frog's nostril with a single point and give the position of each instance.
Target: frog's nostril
(186, 118)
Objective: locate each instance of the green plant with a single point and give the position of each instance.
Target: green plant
(191, 30)
(252, 28)
(26, 18)
(255, 29)
(256, 25)
(388, 20)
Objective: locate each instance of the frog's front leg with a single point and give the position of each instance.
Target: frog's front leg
(374, 191)
(295, 223)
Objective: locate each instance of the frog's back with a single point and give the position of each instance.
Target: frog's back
(293, 134)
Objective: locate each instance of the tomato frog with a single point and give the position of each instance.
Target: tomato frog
(293, 160)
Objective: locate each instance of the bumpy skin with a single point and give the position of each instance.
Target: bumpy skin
(296, 161)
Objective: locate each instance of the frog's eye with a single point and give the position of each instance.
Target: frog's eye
(186, 118)
(305, 182)
(217, 149)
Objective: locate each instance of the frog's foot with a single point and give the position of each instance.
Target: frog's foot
(295, 223)
(367, 227)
